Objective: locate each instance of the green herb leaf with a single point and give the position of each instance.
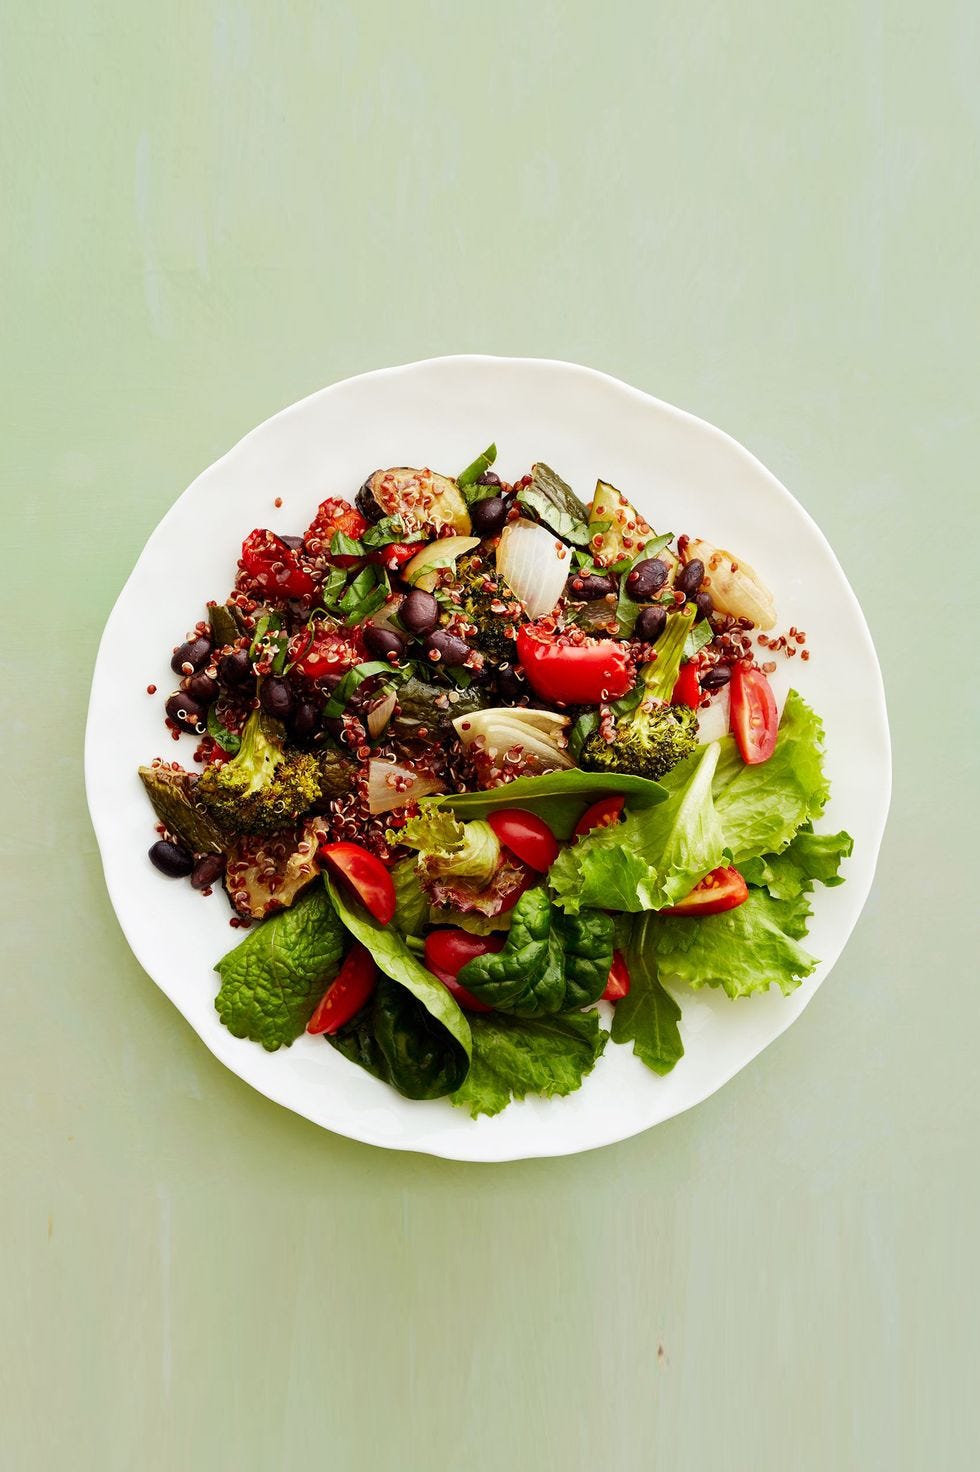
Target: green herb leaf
(580, 730)
(272, 981)
(472, 473)
(224, 629)
(389, 529)
(743, 951)
(648, 1015)
(700, 635)
(341, 545)
(229, 741)
(366, 594)
(556, 506)
(333, 587)
(627, 610)
(514, 1057)
(337, 703)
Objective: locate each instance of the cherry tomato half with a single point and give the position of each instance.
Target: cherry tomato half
(347, 993)
(527, 836)
(754, 719)
(322, 652)
(722, 889)
(366, 875)
(395, 555)
(524, 883)
(334, 515)
(448, 951)
(273, 566)
(618, 981)
(602, 814)
(573, 674)
(687, 690)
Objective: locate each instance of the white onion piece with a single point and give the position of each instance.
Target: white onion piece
(379, 715)
(713, 720)
(735, 587)
(421, 571)
(390, 785)
(506, 726)
(533, 564)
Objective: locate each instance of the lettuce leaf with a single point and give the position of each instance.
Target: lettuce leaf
(743, 951)
(560, 798)
(653, 858)
(647, 1016)
(514, 1057)
(810, 857)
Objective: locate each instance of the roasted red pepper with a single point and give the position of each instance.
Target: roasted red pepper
(274, 567)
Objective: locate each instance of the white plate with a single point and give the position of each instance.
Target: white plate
(685, 476)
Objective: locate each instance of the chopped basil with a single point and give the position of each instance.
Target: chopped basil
(580, 731)
(700, 635)
(555, 505)
(333, 587)
(364, 596)
(467, 479)
(389, 529)
(226, 739)
(627, 611)
(343, 546)
(337, 703)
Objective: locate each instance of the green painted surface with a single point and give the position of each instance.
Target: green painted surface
(767, 214)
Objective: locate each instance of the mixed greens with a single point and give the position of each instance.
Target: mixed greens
(491, 766)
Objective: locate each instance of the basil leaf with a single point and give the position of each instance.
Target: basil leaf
(337, 703)
(341, 545)
(648, 1015)
(627, 610)
(700, 635)
(389, 529)
(224, 629)
(580, 730)
(333, 587)
(412, 1034)
(555, 505)
(366, 594)
(229, 741)
(472, 473)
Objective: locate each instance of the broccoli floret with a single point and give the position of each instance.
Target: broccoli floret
(654, 735)
(262, 789)
(485, 600)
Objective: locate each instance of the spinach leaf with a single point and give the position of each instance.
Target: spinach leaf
(517, 1056)
(559, 797)
(272, 981)
(550, 962)
(647, 1016)
(556, 506)
(413, 1036)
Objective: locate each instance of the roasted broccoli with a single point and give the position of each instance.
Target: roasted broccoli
(653, 736)
(484, 600)
(262, 789)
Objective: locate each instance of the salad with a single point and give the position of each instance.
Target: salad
(490, 775)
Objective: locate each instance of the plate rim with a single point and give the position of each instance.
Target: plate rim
(884, 786)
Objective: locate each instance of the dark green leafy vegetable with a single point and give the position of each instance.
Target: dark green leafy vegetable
(413, 1035)
(411, 901)
(368, 591)
(337, 703)
(423, 705)
(647, 1016)
(627, 610)
(580, 730)
(810, 857)
(559, 797)
(467, 480)
(333, 587)
(550, 963)
(224, 629)
(517, 1056)
(389, 529)
(272, 981)
(556, 506)
(171, 794)
(229, 741)
(342, 545)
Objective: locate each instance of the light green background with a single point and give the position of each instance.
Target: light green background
(766, 213)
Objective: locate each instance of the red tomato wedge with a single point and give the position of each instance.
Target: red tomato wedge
(366, 876)
(395, 554)
(273, 566)
(448, 951)
(573, 674)
(602, 814)
(722, 889)
(347, 993)
(618, 981)
(754, 719)
(527, 836)
(687, 689)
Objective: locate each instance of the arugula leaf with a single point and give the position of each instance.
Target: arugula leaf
(412, 1034)
(467, 479)
(559, 797)
(648, 1015)
(555, 505)
(514, 1057)
(745, 950)
(654, 858)
(272, 981)
(811, 856)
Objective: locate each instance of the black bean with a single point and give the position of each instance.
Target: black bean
(194, 652)
(208, 871)
(690, 576)
(645, 578)
(488, 516)
(201, 688)
(171, 859)
(185, 711)
(650, 623)
(276, 697)
(294, 542)
(704, 606)
(510, 684)
(450, 648)
(366, 502)
(235, 670)
(717, 677)
(305, 720)
(582, 586)
(383, 642)
(489, 478)
(419, 612)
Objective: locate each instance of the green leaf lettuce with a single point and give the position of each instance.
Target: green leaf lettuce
(514, 1057)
